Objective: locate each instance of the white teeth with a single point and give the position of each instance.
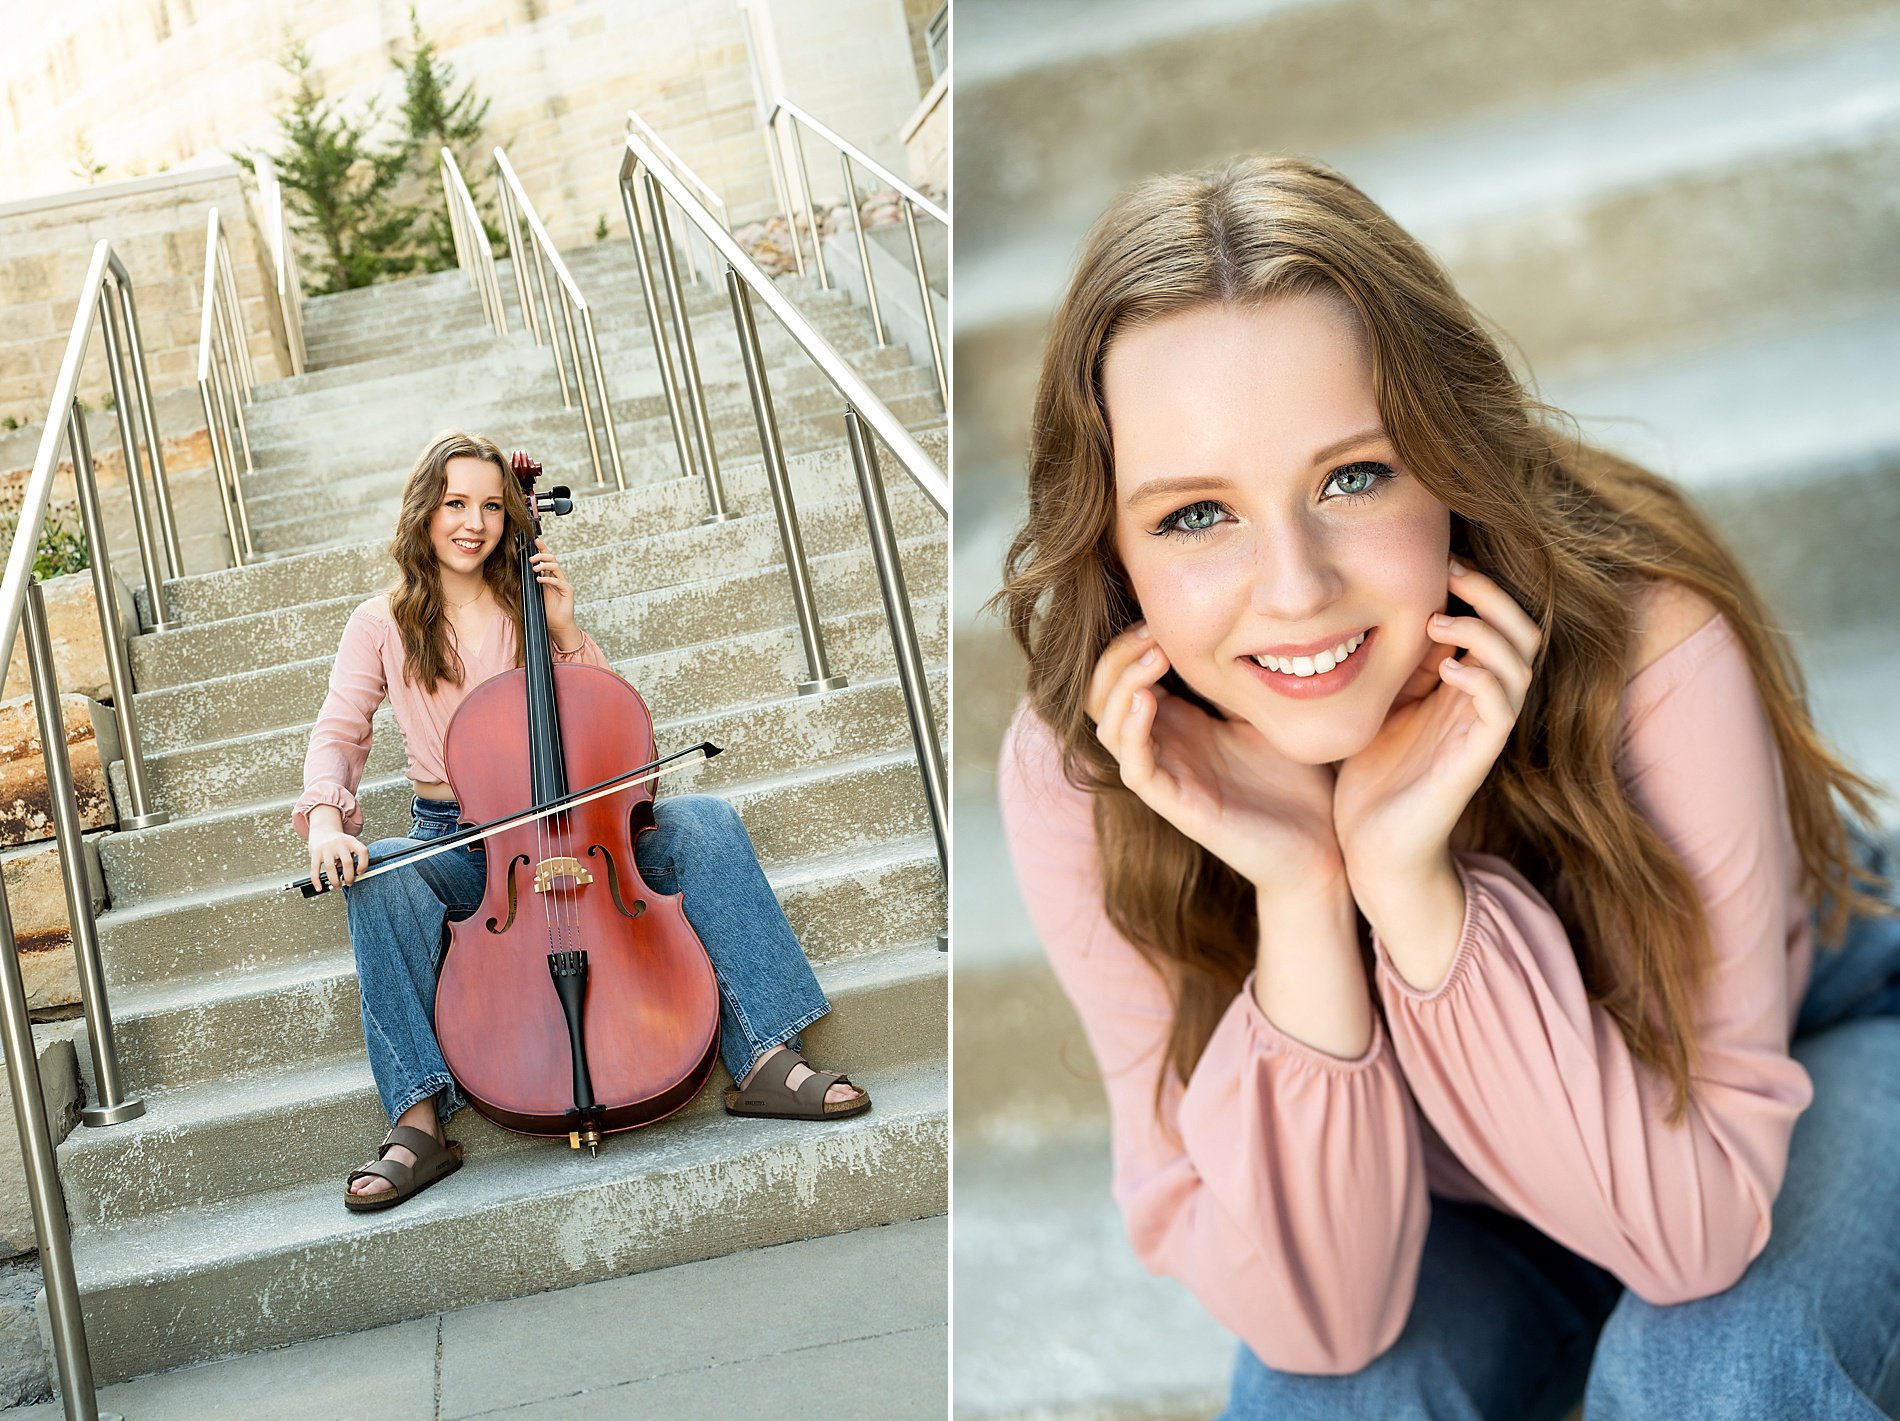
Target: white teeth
(1304, 666)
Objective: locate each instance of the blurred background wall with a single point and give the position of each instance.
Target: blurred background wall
(1685, 214)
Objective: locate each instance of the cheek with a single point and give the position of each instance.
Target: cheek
(1188, 593)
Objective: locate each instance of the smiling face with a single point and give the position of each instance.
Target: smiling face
(469, 521)
(1261, 508)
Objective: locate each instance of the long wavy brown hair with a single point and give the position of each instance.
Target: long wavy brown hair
(1567, 529)
(415, 602)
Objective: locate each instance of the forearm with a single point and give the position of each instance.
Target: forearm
(1310, 979)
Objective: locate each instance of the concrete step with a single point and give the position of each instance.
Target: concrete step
(807, 813)
(265, 1269)
(886, 1004)
(769, 736)
(678, 616)
(561, 435)
(1236, 76)
(278, 1014)
(840, 905)
(684, 681)
(599, 516)
(1056, 1319)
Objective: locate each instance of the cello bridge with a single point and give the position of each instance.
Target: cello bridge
(548, 870)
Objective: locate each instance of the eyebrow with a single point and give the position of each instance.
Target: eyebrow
(1181, 483)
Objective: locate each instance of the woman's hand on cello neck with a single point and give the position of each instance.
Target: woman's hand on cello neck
(1219, 782)
(558, 595)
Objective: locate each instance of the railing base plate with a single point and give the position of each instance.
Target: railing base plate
(114, 1115)
(145, 821)
(716, 518)
(818, 688)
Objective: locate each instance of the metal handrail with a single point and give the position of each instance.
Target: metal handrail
(472, 252)
(745, 280)
(225, 381)
(516, 206)
(909, 199)
(107, 291)
(680, 167)
(286, 280)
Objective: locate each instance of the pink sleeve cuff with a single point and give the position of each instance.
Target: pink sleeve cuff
(327, 792)
(1461, 959)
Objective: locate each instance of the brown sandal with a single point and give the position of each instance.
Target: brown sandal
(435, 1159)
(768, 1098)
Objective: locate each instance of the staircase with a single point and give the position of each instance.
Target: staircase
(1683, 218)
(212, 1225)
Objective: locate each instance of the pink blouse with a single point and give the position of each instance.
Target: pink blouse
(368, 669)
(1288, 1188)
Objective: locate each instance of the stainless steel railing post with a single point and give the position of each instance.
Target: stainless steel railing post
(112, 632)
(662, 352)
(220, 388)
(114, 1105)
(689, 363)
(864, 251)
(554, 342)
(910, 658)
(606, 406)
(580, 388)
(70, 1353)
(218, 472)
(134, 472)
(818, 674)
(784, 189)
(511, 220)
(811, 215)
(930, 310)
(161, 484)
(234, 313)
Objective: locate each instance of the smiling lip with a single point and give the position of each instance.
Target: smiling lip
(1323, 683)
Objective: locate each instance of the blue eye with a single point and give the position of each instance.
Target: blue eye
(1375, 475)
(1195, 518)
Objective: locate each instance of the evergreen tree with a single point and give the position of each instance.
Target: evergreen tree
(436, 119)
(340, 186)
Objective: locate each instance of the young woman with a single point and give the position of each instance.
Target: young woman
(451, 621)
(1422, 813)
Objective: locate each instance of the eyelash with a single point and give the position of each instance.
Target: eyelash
(457, 503)
(1171, 525)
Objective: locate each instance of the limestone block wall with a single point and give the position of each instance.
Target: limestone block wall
(157, 227)
(153, 82)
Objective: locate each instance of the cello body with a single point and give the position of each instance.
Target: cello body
(575, 1000)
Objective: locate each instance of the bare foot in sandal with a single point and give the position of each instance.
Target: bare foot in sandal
(844, 1093)
(420, 1116)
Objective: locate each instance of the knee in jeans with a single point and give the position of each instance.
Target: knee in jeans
(1652, 1360)
(700, 818)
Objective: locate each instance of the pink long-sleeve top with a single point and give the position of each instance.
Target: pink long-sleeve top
(1288, 1188)
(369, 669)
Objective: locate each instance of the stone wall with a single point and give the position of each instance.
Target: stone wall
(131, 77)
(157, 228)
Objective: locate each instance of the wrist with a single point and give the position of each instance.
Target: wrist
(567, 640)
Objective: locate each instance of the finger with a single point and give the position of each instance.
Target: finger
(1487, 693)
(1490, 649)
(1114, 659)
(1499, 608)
(1146, 669)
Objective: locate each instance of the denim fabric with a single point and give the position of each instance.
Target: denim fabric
(698, 848)
(1509, 1324)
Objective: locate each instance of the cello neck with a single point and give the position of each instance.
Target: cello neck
(547, 770)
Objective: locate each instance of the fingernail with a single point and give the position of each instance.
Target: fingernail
(1457, 568)
(1439, 619)
(1141, 629)
(1147, 658)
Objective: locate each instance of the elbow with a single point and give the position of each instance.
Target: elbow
(1715, 1268)
(1336, 1346)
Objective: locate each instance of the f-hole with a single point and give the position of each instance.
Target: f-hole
(513, 864)
(613, 884)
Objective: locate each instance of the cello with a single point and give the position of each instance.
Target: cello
(575, 1000)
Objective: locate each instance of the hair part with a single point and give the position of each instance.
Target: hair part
(1568, 530)
(415, 602)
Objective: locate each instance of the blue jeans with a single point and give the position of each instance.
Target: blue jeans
(1509, 1324)
(698, 848)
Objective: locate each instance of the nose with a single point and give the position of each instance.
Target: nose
(1293, 575)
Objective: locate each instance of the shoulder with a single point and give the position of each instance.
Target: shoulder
(375, 610)
(1667, 614)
